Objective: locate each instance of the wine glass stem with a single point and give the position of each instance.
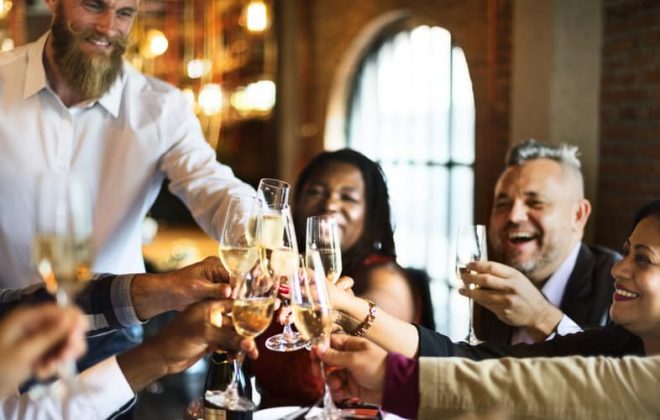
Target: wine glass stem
(62, 297)
(329, 406)
(232, 389)
(287, 331)
(472, 338)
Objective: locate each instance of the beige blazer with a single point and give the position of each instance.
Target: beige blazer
(540, 388)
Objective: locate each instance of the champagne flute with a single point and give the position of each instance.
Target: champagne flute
(312, 315)
(254, 294)
(278, 248)
(470, 246)
(63, 249)
(273, 192)
(322, 235)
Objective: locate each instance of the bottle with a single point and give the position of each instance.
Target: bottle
(221, 370)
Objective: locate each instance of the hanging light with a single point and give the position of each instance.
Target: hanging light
(155, 43)
(257, 16)
(7, 44)
(198, 67)
(5, 7)
(255, 97)
(210, 99)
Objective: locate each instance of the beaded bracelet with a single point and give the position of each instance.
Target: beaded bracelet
(366, 324)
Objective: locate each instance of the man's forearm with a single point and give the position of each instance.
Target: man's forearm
(141, 366)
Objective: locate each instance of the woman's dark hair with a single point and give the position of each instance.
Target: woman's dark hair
(651, 208)
(377, 235)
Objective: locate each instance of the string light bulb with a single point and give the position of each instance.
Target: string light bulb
(210, 99)
(155, 43)
(257, 16)
(5, 7)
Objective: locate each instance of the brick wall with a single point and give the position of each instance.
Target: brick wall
(481, 27)
(630, 115)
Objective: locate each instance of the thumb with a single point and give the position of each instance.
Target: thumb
(37, 345)
(211, 290)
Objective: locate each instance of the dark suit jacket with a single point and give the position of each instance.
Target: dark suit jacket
(586, 300)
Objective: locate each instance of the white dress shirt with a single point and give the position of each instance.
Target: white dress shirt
(553, 290)
(123, 145)
(99, 392)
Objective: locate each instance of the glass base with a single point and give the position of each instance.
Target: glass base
(229, 401)
(472, 339)
(286, 342)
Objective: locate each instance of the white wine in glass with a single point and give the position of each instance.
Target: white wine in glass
(322, 236)
(254, 294)
(470, 246)
(63, 250)
(279, 259)
(312, 316)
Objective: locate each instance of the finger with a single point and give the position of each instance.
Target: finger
(491, 267)
(206, 289)
(487, 281)
(215, 313)
(214, 270)
(28, 320)
(250, 348)
(493, 301)
(348, 343)
(49, 344)
(345, 283)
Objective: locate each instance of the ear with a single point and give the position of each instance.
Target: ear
(582, 212)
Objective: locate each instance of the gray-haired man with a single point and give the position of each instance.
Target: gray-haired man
(545, 280)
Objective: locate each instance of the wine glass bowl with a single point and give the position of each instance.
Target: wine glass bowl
(322, 235)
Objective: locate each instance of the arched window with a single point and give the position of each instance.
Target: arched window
(411, 108)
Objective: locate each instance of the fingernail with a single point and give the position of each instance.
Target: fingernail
(322, 348)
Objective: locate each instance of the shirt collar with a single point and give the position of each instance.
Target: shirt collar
(36, 80)
(555, 287)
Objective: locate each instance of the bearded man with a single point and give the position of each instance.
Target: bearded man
(70, 104)
(544, 280)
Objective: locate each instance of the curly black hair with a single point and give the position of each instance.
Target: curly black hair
(378, 235)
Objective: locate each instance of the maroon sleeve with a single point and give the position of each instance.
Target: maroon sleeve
(401, 392)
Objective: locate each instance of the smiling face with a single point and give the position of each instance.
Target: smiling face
(89, 38)
(636, 304)
(336, 188)
(538, 217)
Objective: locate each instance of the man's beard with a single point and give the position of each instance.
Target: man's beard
(91, 76)
(531, 265)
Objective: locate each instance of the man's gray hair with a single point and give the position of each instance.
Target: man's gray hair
(565, 154)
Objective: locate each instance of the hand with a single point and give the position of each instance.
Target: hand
(36, 340)
(153, 294)
(182, 343)
(363, 363)
(340, 292)
(512, 297)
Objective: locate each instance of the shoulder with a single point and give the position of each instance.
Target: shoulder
(386, 275)
(155, 91)
(9, 57)
(600, 254)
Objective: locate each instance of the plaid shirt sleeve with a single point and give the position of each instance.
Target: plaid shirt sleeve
(106, 301)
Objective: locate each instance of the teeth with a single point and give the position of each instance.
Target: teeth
(626, 293)
(521, 235)
(101, 42)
